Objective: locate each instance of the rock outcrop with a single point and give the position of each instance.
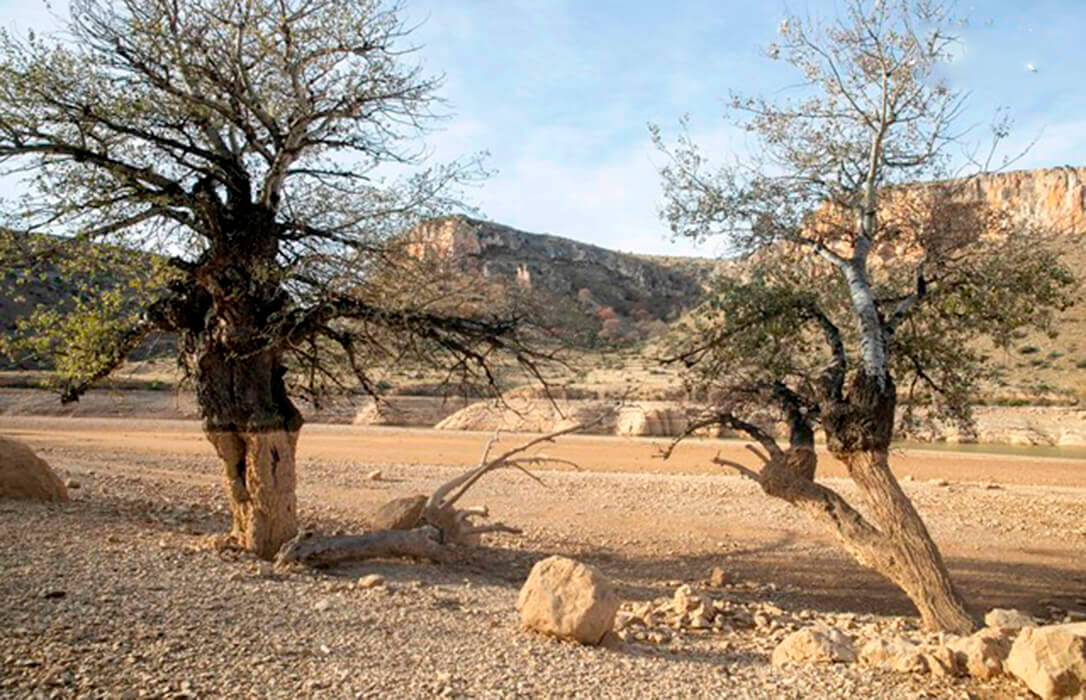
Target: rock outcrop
(658, 286)
(567, 599)
(530, 415)
(25, 476)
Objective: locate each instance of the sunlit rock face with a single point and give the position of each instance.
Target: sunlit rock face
(623, 281)
(1053, 198)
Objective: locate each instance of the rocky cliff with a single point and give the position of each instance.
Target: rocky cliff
(630, 284)
(1051, 199)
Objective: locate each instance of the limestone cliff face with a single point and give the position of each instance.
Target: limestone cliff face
(562, 266)
(1051, 199)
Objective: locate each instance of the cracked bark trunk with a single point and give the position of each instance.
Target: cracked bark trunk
(253, 426)
(905, 553)
(858, 432)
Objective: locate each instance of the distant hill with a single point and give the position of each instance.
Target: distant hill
(621, 298)
(630, 296)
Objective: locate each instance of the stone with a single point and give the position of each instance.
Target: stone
(399, 514)
(25, 476)
(375, 475)
(1009, 618)
(883, 652)
(567, 599)
(1051, 660)
(814, 645)
(72, 484)
(718, 577)
(323, 604)
(942, 662)
(982, 654)
(651, 419)
(370, 581)
(684, 600)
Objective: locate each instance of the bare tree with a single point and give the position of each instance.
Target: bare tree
(855, 283)
(257, 145)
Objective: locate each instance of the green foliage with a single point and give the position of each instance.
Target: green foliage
(851, 267)
(94, 318)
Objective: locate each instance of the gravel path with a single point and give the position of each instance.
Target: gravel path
(119, 593)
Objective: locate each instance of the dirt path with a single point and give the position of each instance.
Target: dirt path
(379, 445)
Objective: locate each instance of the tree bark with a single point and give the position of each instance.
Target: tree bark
(859, 429)
(420, 543)
(253, 426)
(906, 553)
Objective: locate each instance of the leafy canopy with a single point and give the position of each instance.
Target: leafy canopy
(847, 266)
(270, 149)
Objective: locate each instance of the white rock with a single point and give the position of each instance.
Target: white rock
(375, 475)
(1051, 660)
(814, 645)
(370, 580)
(685, 599)
(1009, 618)
(322, 604)
(569, 600)
(982, 654)
(883, 652)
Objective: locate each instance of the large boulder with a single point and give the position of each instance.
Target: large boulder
(26, 476)
(569, 600)
(1051, 660)
(814, 645)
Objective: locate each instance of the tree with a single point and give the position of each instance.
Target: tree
(856, 284)
(253, 143)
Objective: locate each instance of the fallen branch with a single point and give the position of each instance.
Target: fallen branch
(419, 543)
(425, 527)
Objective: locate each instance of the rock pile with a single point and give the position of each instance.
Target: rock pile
(1050, 660)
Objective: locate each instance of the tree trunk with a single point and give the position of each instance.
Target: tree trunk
(254, 428)
(907, 555)
(859, 429)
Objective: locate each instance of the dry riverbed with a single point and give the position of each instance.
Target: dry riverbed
(118, 594)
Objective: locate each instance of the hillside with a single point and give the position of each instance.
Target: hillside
(625, 296)
(618, 300)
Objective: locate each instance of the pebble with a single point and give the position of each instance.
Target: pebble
(370, 581)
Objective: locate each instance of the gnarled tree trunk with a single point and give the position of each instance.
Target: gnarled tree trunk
(254, 428)
(905, 553)
(859, 429)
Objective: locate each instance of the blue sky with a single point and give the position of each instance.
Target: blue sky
(560, 92)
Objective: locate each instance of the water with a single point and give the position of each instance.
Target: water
(1045, 451)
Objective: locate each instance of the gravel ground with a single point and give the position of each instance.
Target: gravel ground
(121, 594)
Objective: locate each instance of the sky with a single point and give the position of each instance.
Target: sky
(560, 93)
